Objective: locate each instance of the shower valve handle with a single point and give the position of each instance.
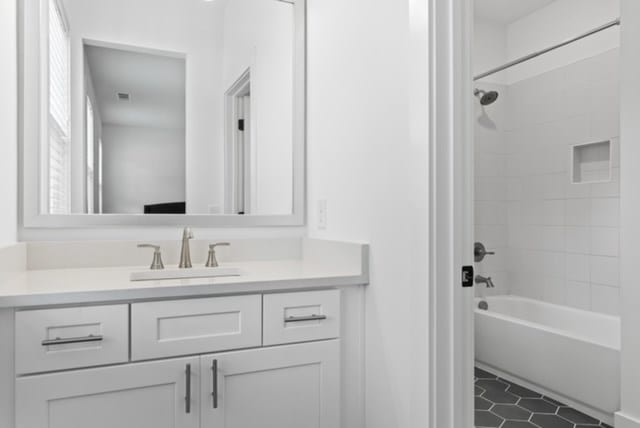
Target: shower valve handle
(480, 252)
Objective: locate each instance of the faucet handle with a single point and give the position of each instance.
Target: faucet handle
(212, 261)
(156, 264)
(480, 252)
(219, 244)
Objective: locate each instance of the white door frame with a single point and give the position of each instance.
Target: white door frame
(629, 415)
(232, 114)
(451, 211)
(451, 189)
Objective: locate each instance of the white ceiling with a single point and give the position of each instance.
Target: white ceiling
(507, 11)
(156, 85)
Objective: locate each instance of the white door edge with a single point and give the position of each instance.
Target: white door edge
(451, 211)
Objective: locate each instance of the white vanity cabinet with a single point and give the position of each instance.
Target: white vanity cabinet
(144, 395)
(232, 378)
(282, 387)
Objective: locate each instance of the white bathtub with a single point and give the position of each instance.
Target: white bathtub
(570, 354)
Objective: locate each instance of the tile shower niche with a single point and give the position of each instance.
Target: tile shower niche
(591, 162)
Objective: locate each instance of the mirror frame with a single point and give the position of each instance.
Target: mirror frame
(32, 110)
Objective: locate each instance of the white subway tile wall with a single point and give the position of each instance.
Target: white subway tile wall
(555, 240)
(492, 210)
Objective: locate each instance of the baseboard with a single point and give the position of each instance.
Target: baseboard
(626, 421)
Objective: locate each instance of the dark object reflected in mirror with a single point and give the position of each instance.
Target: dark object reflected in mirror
(168, 208)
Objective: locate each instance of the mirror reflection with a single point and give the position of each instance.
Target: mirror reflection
(169, 107)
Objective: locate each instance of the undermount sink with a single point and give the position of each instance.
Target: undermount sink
(176, 273)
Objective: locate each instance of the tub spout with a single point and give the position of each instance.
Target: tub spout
(487, 281)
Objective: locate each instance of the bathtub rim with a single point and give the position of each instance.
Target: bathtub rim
(531, 324)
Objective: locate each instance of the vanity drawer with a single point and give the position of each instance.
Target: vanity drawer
(301, 317)
(185, 327)
(65, 338)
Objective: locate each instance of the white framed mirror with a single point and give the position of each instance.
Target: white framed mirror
(162, 112)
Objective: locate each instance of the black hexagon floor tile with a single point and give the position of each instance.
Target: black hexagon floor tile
(510, 405)
(511, 412)
(550, 421)
(483, 404)
(522, 391)
(500, 397)
(492, 385)
(486, 419)
(537, 405)
(577, 417)
(552, 401)
(481, 374)
(518, 424)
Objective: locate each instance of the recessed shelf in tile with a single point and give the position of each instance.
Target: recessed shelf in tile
(591, 163)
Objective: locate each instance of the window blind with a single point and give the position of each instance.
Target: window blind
(59, 117)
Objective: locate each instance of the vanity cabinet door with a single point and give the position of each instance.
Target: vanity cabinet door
(148, 395)
(282, 387)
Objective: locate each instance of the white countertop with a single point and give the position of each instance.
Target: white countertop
(46, 287)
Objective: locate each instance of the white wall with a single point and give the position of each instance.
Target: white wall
(192, 28)
(497, 43)
(563, 238)
(419, 131)
(555, 23)
(141, 166)
(489, 48)
(490, 196)
(8, 124)
(369, 161)
(256, 36)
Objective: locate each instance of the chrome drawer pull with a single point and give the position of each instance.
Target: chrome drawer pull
(187, 398)
(72, 340)
(306, 318)
(214, 393)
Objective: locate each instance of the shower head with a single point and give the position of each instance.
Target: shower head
(486, 98)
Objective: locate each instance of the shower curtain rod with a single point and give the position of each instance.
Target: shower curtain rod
(544, 51)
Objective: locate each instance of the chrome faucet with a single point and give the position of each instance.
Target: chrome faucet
(185, 253)
(487, 281)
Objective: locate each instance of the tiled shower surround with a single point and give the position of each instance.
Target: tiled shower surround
(503, 404)
(555, 241)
